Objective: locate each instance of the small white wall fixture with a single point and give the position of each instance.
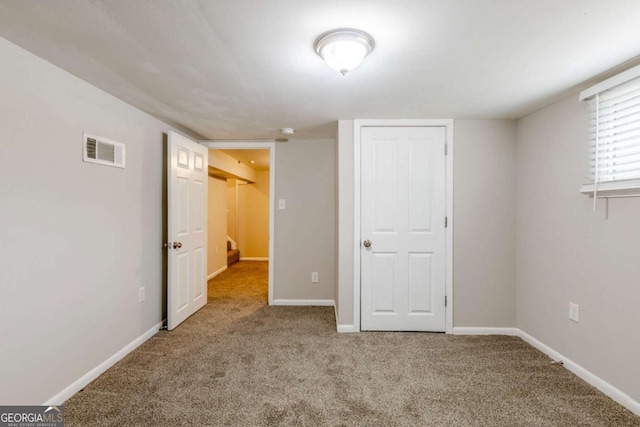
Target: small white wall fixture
(357, 127)
(254, 145)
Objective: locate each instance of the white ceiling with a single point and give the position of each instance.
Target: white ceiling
(244, 69)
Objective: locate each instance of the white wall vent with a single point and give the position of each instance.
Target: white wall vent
(103, 151)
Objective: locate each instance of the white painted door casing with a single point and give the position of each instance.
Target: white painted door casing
(403, 209)
(187, 223)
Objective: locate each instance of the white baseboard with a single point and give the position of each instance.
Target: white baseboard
(254, 258)
(322, 302)
(611, 391)
(614, 393)
(608, 389)
(344, 329)
(215, 273)
(485, 331)
(84, 380)
(341, 328)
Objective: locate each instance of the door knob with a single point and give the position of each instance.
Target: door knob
(367, 243)
(177, 245)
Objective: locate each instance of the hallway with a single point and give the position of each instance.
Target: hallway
(247, 281)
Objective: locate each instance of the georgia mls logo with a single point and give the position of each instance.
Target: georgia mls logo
(53, 408)
(31, 416)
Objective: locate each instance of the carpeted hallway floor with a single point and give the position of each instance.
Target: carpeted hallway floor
(238, 362)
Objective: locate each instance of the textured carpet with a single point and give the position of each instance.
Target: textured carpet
(238, 362)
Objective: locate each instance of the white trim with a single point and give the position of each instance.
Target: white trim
(341, 328)
(614, 393)
(254, 258)
(448, 124)
(614, 81)
(357, 124)
(234, 245)
(304, 302)
(485, 331)
(449, 129)
(215, 273)
(629, 187)
(608, 389)
(253, 145)
(84, 380)
(236, 200)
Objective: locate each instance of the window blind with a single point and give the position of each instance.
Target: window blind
(614, 137)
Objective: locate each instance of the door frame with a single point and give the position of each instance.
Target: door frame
(357, 126)
(254, 145)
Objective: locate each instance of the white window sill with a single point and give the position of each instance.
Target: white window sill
(629, 188)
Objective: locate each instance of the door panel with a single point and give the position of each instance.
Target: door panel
(198, 201)
(200, 282)
(384, 190)
(182, 206)
(182, 281)
(420, 170)
(402, 215)
(187, 213)
(384, 274)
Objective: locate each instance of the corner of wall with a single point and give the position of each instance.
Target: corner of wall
(344, 196)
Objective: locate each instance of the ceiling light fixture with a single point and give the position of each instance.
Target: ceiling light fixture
(344, 49)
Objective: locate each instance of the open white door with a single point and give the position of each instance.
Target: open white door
(187, 221)
(403, 188)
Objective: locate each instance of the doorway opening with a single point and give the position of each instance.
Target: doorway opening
(240, 218)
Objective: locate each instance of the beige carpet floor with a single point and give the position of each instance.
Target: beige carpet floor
(239, 362)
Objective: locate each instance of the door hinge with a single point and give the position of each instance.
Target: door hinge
(445, 300)
(446, 221)
(446, 149)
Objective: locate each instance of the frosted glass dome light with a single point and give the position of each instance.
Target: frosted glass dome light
(344, 49)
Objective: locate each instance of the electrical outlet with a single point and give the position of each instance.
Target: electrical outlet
(216, 250)
(574, 312)
(282, 204)
(141, 294)
(314, 277)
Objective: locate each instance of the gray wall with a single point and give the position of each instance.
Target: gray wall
(305, 230)
(566, 252)
(484, 242)
(78, 239)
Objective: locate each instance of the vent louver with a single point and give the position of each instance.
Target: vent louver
(103, 151)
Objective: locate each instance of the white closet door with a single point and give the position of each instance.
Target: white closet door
(403, 228)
